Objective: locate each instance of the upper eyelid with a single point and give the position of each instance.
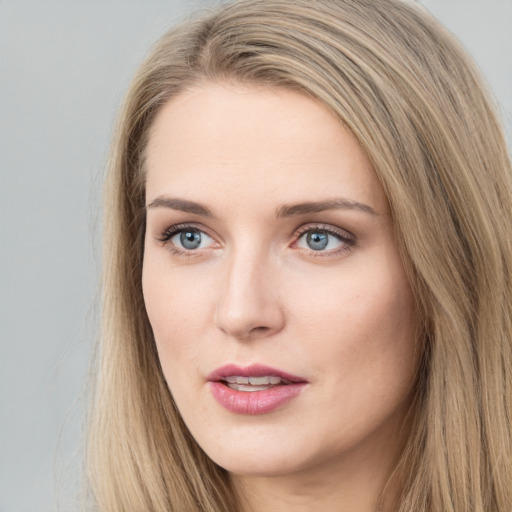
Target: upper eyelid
(176, 228)
(329, 228)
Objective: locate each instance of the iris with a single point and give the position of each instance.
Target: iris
(317, 240)
(190, 239)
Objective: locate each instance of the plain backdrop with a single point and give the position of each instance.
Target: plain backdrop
(64, 68)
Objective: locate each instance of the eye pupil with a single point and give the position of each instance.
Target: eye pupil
(317, 240)
(190, 239)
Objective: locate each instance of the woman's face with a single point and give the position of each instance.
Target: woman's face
(282, 315)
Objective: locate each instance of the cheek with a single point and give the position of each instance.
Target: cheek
(362, 327)
(175, 306)
(364, 358)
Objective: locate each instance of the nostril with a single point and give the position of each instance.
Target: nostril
(261, 329)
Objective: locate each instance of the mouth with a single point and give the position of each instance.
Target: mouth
(254, 389)
(251, 384)
(253, 378)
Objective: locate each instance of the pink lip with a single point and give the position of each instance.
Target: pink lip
(254, 402)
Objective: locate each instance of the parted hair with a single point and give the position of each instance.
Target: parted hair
(418, 107)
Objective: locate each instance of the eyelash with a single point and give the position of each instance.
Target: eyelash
(166, 237)
(347, 239)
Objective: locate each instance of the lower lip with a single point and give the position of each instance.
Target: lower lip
(254, 402)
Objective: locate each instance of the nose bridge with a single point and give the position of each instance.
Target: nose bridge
(249, 304)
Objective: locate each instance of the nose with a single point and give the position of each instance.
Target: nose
(249, 306)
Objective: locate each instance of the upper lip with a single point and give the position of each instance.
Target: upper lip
(254, 370)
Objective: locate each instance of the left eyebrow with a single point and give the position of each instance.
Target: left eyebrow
(321, 206)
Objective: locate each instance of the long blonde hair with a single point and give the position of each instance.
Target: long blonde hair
(412, 98)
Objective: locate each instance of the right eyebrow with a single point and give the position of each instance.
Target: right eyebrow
(183, 205)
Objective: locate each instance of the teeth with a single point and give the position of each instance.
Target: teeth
(247, 382)
(258, 381)
(248, 387)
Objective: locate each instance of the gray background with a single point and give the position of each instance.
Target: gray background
(64, 67)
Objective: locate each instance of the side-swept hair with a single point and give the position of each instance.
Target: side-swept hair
(413, 99)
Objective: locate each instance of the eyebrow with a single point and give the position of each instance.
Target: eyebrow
(283, 211)
(321, 206)
(182, 205)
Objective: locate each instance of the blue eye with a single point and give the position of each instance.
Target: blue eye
(190, 239)
(317, 241)
(322, 240)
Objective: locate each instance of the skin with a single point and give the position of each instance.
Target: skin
(341, 318)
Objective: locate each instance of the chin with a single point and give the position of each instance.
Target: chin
(254, 452)
(266, 466)
(265, 457)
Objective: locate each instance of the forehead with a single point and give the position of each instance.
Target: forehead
(255, 140)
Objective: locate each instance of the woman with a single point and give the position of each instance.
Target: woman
(307, 288)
